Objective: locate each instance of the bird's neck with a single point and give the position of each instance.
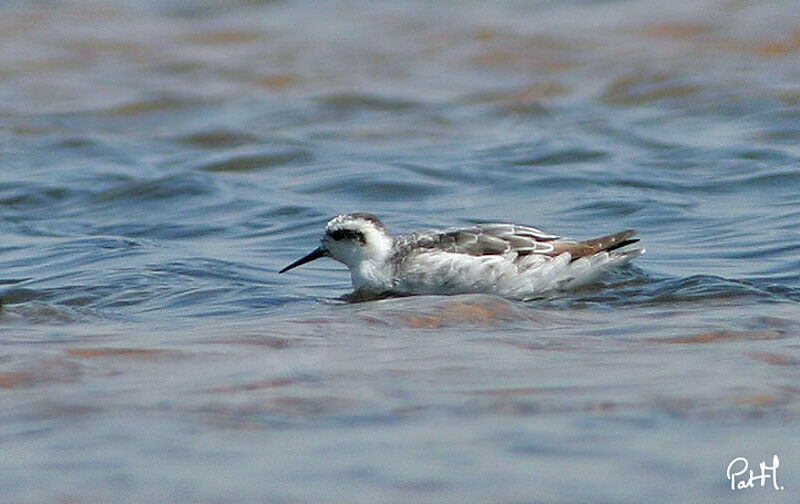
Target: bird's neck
(372, 276)
(375, 273)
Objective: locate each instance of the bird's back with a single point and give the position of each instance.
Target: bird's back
(479, 240)
(506, 259)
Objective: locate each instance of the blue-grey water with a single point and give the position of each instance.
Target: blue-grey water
(160, 161)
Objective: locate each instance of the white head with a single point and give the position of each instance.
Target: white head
(356, 240)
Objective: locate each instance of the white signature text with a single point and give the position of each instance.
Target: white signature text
(739, 480)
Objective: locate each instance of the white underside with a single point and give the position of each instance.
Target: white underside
(438, 272)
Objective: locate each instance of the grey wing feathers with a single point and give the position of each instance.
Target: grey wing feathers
(498, 239)
(485, 239)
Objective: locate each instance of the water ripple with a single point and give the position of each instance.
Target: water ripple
(704, 289)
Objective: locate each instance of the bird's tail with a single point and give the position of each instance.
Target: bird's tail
(591, 247)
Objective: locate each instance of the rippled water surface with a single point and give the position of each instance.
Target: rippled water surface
(162, 160)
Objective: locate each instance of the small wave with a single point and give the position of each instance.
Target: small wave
(562, 157)
(696, 288)
(41, 312)
(217, 139)
(361, 102)
(148, 105)
(646, 88)
(381, 187)
(171, 187)
(260, 160)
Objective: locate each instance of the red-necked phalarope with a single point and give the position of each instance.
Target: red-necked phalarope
(505, 259)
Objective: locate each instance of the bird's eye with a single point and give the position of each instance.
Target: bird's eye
(347, 234)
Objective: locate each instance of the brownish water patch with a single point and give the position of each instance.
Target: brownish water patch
(760, 400)
(602, 407)
(217, 38)
(480, 314)
(93, 48)
(775, 359)
(675, 30)
(256, 386)
(136, 353)
(45, 371)
(511, 391)
(780, 48)
(720, 336)
(277, 82)
(511, 51)
(15, 379)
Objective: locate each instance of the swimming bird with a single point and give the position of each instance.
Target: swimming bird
(505, 259)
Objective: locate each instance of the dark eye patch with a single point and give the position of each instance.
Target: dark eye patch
(347, 234)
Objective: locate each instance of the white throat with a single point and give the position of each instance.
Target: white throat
(373, 270)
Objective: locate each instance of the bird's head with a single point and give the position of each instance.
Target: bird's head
(351, 239)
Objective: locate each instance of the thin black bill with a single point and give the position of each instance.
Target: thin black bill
(316, 254)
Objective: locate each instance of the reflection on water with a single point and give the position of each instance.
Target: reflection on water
(161, 161)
